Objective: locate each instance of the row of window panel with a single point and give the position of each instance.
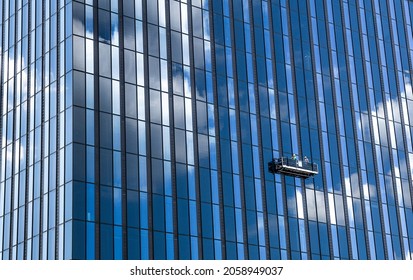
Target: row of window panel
(32, 251)
(396, 227)
(317, 232)
(380, 153)
(108, 22)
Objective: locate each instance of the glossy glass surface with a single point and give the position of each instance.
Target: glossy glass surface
(143, 129)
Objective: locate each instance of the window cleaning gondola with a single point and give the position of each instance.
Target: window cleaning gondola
(293, 167)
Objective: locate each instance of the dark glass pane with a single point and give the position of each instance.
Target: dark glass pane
(130, 101)
(104, 4)
(78, 19)
(79, 240)
(104, 26)
(106, 242)
(129, 33)
(79, 89)
(155, 107)
(156, 145)
(160, 245)
(176, 42)
(154, 74)
(158, 213)
(130, 67)
(131, 136)
(106, 205)
(105, 95)
(152, 9)
(153, 40)
(175, 10)
(104, 61)
(128, 8)
(183, 217)
(106, 168)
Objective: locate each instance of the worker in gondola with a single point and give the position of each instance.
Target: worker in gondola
(306, 159)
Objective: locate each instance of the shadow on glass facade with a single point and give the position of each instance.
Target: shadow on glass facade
(143, 129)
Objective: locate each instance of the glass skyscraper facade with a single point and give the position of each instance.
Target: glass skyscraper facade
(142, 129)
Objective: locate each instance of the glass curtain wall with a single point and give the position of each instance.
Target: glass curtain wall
(142, 129)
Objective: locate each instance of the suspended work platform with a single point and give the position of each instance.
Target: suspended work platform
(292, 167)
